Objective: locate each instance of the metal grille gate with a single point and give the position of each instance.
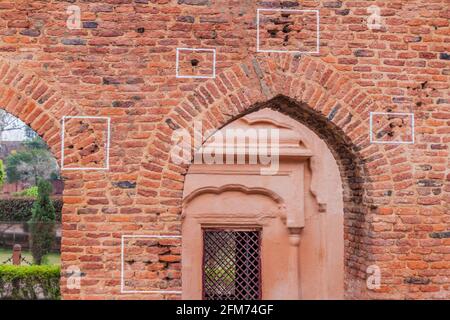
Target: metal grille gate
(231, 265)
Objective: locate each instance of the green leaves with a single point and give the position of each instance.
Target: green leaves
(31, 192)
(10, 272)
(32, 162)
(43, 209)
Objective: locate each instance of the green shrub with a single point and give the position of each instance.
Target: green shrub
(19, 209)
(31, 192)
(29, 282)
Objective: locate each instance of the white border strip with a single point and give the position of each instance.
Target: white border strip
(213, 76)
(122, 268)
(108, 138)
(372, 140)
(287, 51)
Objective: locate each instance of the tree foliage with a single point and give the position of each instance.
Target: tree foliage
(32, 163)
(19, 209)
(42, 223)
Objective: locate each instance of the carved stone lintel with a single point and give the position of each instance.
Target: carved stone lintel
(234, 187)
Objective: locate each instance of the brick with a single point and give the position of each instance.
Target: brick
(31, 32)
(194, 2)
(364, 53)
(73, 42)
(444, 56)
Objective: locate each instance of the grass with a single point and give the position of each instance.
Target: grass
(50, 259)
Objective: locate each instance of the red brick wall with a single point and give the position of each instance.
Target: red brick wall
(121, 64)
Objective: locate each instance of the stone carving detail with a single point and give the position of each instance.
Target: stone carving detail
(281, 207)
(299, 139)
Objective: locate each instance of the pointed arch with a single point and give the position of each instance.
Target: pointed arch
(308, 90)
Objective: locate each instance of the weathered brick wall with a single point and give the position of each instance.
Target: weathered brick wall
(121, 64)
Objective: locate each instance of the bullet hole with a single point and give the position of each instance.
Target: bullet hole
(70, 146)
(383, 133)
(130, 261)
(195, 62)
(140, 30)
(95, 148)
(285, 40)
(273, 32)
(419, 104)
(389, 130)
(423, 85)
(396, 122)
(393, 125)
(285, 15)
(89, 150)
(83, 127)
(286, 29)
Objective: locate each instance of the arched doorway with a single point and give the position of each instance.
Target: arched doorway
(263, 227)
(30, 211)
(313, 93)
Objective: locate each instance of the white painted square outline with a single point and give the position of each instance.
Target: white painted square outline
(108, 138)
(288, 10)
(122, 251)
(409, 114)
(213, 76)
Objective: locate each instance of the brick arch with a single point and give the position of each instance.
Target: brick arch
(304, 83)
(35, 102)
(41, 106)
(305, 88)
